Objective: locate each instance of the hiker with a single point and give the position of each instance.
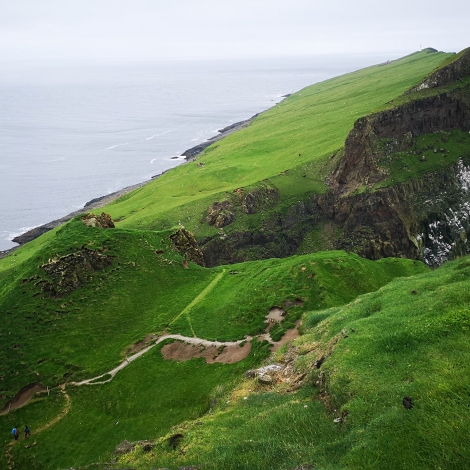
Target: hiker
(27, 431)
(14, 431)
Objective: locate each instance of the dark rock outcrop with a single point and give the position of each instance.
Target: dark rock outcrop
(102, 221)
(258, 199)
(185, 243)
(67, 273)
(280, 236)
(220, 214)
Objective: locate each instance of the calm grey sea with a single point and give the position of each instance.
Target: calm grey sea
(70, 132)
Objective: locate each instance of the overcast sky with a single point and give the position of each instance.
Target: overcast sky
(51, 29)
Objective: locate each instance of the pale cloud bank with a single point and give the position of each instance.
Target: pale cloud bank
(95, 29)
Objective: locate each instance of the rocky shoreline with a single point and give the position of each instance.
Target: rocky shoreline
(102, 201)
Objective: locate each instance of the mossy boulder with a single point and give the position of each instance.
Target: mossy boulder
(102, 221)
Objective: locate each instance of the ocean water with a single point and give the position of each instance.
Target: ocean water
(70, 131)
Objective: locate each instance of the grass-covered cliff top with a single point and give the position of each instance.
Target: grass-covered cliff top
(302, 131)
(299, 135)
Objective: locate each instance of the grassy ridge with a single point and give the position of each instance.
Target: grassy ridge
(305, 128)
(409, 339)
(88, 331)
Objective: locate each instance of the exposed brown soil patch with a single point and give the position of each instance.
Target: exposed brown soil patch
(141, 344)
(182, 351)
(276, 314)
(234, 353)
(23, 397)
(289, 336)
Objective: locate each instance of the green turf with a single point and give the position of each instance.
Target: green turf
(408, 339)
(143, 401)
(439, 151)
(89, 331)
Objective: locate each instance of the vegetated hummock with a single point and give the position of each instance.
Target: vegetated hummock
(375, 163)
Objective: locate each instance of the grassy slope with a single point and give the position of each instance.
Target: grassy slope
(147, 399)
(404, 343)
(313, 123)
(102, 319)
(87, 332)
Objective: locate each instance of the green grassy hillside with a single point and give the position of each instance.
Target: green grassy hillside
(408, 339)
(70, 335)
(78, 301)
(300, 132)
(87, 331)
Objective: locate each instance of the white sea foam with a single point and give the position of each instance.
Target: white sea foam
(11, 235)
(158, 135)
(118, 145)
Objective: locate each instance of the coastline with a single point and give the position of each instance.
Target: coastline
(101, 201)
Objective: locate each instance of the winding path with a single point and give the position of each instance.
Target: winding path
(61, 415)
(187, 339)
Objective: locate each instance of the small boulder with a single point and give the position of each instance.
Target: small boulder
(407, 402)
(265, 379)
(124, 448)
(102, 221)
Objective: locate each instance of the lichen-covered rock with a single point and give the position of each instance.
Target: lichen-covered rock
(185, 243)
(69, 272)
(220, 214)
(265, 379)
(102, 221)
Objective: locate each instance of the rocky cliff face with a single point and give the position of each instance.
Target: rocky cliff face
(404, 123)
(426, 218)
(452, 72)
(185, 243)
